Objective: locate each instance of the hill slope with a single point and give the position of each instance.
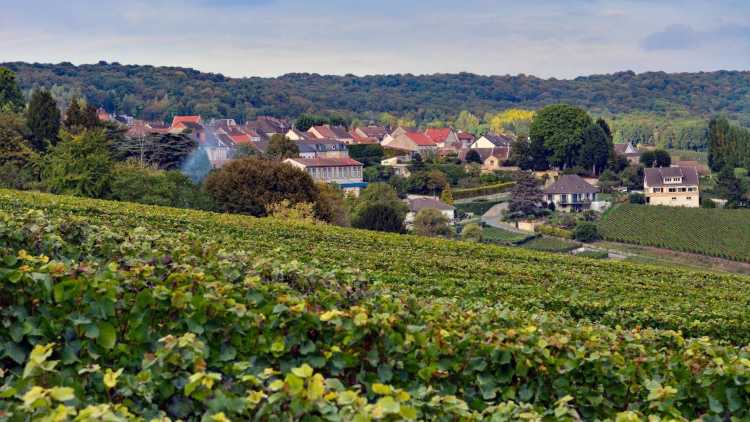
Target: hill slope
(120, 312)
(160, 92)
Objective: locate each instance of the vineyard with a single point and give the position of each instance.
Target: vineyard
(722, 233)
(115, 311)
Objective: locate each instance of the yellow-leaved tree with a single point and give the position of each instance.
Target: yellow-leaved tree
(513, 120)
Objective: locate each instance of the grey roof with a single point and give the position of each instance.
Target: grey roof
(418, 204)
(499, 140)
(655, 176)
(320, 145)
(570, 183)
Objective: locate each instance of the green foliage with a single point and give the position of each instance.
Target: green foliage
(596, 148)
(637, 198)
(379, 216)
(134, 183)
(367, 154)
(656, 158)
(79, 165)
(632, 177)
(471, 232)
(473, 157)
(81, 116)
(504, 237)
(586, 232)
(716, 232)
(729, 146)
(11, 99)
(431, 222)
(672, 130)
(550, 244)
(306, 121)
(18, 160)
(331, 205)
(249, 185)
(550, 230)
(729, 187)
(431, 182)
(280, 148)
(560, 128)
(43, 118)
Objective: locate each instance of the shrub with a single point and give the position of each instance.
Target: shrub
(249, 185)
(553, 231)
(586, 232)
(285, 210)
(379, 217)
(431, 222)
(707, 202)
(637, 198)
(79, 165)
(472, 233)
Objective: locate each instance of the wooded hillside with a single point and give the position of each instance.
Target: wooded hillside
(160, 92)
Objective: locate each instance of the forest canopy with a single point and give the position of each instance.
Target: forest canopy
(157, 93)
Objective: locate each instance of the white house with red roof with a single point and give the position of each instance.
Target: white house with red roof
(342, 171)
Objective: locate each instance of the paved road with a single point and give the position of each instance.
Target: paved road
(494, 218)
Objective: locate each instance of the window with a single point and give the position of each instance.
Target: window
(671, 190)
(657, 190)
(674, 199)
(563, 199)
(689, 198)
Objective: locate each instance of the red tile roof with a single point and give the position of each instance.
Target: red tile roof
(438, 134)
(327, 162)
(466, 136)
(241, 138)
(420, 139)
(185, 119)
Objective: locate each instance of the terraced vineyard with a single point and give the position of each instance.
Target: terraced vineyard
(119, 311)
(714, 232)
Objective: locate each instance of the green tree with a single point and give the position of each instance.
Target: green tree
(367, 154)
(133, 182)
(249, 185)
(447, 195)
(605, 127)
(596, 149)
(43, 118)
(379, 217)
(166, 151)
(17, 159)
(466, 122)
(431, 222)
(656, 158)
(80, 116)
(431, 182)
(559, 128)
(721, 145)
(79, 165)
(379, 193)
(280, 148)
(632, 177)
(306, 121)
(331, 205)
(586, 231)
(11, 99)
(472, 232)
(729, 187)
(520, 154)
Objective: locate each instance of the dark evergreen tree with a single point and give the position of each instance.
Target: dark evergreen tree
(595, 149)
(43, 119)
(380, 217)
(473, 157)
(11, 99)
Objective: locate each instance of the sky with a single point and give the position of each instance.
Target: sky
(546, 38)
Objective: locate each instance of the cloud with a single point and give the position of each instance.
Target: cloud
(685, 37)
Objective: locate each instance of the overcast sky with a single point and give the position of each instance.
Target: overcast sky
(562, 39)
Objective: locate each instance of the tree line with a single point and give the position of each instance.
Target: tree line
(160, 92)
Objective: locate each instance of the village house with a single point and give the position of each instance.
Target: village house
(367, 134)
(267, 126)
(492, 159)
(466, 139)
(400, 165)
(570, 193)
(298, 135)
(324, 148)
(338, 133)
(412, 142)
(491, 140)
(418, 203)
(630, 152)
(443, 137)
(344, 172)
(671, 186)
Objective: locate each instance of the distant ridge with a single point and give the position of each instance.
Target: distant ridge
(160, 92)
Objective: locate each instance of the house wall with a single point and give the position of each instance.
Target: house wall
(583, 202)
(449, 214)
(674, 199)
